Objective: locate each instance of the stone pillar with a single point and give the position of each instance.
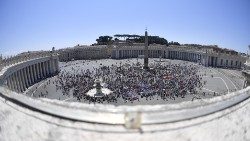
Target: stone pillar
(28, 76)
(43, 68)
(117, 54)
(34, 71)
(14, 77)
(207, 61)
(20, 81)
(31, 74)
(23, 80)
(52, 66)
(48, 69)
(57, 65)
(8, 83)
(39, 70)
(17, 82)
(49, 66)
(12, 82)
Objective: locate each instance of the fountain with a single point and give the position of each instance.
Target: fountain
(99, 90)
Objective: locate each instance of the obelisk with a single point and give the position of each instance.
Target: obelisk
(146, 51)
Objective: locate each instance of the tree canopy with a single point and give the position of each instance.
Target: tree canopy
(105, 40)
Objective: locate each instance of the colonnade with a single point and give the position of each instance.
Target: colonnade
(23, 78)
(188, 56)
(135, 53)
(180, 55)
(205, 59)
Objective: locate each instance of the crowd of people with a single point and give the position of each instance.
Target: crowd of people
(131, 82)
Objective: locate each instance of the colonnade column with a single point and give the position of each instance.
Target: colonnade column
(8, 82)
(116, 54)
(31, 74)
(14, 81)
(57, 66)
(37, 71)
(44, 70)
(34, 72)
(23, 80)
(48, 68)
(17, 81)
(20, 81)
(27, 76)
(51, 66)
(40, 71)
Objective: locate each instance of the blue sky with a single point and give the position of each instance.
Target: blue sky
(40, 25)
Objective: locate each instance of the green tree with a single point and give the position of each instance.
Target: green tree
(104, 40)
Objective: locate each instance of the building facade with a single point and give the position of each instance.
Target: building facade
(209, 56)
(83, 52)
(206, 56)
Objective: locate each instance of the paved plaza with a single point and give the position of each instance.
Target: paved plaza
(216, 81)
